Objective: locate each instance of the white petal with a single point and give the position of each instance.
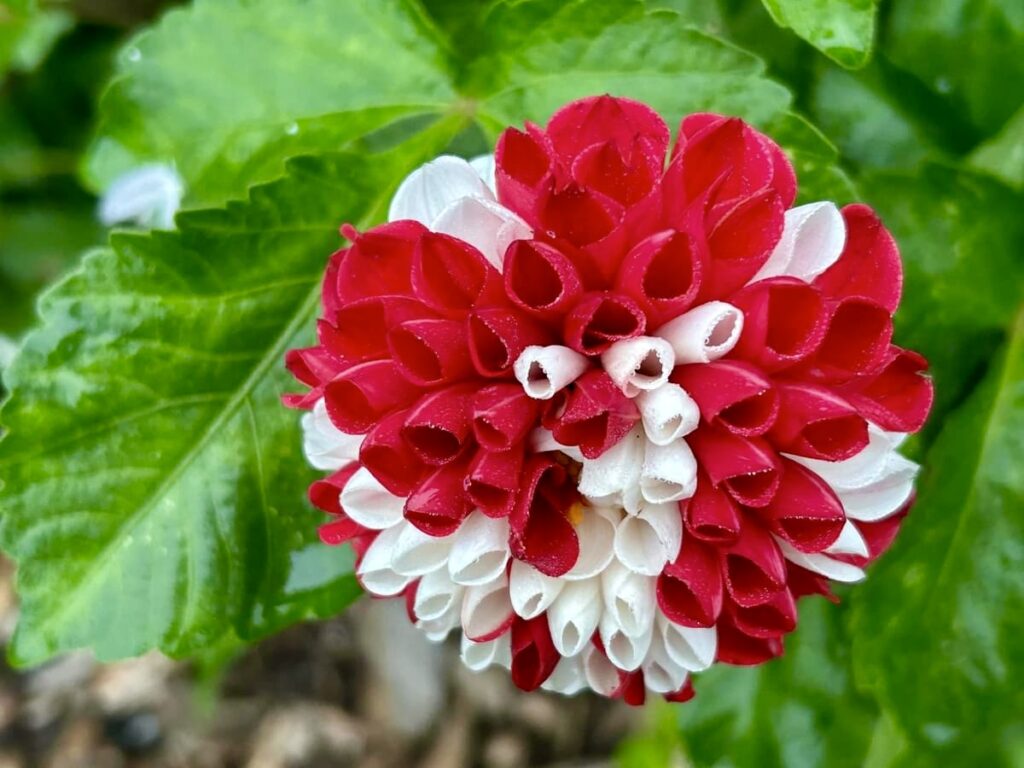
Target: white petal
(439, 628)
(543, 371)
(661, 673)
(479, 550)
(574, 615)
(625, 650)
(692, 648)
(369, 503)
(484, 224)
(601, 674)
(812, 239)
(596, 534)
(860, 470)
(417, 553)
(437, 595)
(608, 477)
(531, 591)
(432, 187)
(704, 333)
(826, 566)
(541, 440)
(639, 364)
(484, 167)
(486, 607)
(668, 412)
(646, 542)
(148, 196)
(886, 495)
(629, 599)
(669, 472)
(479, 656)
(850, 542)
(568, 677)
(375, 571)
(327, 447)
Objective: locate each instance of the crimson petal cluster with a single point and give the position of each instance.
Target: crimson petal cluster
(608, 405)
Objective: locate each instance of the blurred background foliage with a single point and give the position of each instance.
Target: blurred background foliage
(915, 106)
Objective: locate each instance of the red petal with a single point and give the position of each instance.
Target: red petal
(731, 393)
(754, 567)
(340, 531)
(768, 620)
(439, 505)
(897, 398)
(711, 514)
(601, 119)
(689, 590)
(736, 647)
(503, 415)
(359, 331)
(498, 336)
(631, 688)
(451, 276)
(313, 365)
(577, 215)
(597, 415)
(325, 494)
(805, 511)
(540, 279)
(802, 582)
(856, 341)
(600, 319)
(364, 394)
(430, 352)
(783, 322)
(329, 298)
(493, 481)
(379, 262)
(388, 457)
(748, 469)
(624, 175)
(438, 426)
(683, 694)
(741, 242)
(663, 274)
(815, 422)
(869, 265)
(541, 533)
(534, 656)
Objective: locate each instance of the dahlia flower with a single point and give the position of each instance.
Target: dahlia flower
(607, 409)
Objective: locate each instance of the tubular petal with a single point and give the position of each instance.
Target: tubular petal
(596, 534)
(439, 505)
(438, 426)
(689, 590)
(663, 274)
(479, 550)
(541, 533)
(769, 620)
(492, 481)
(816, 423)
(484, 224)
(502, 416)
(540, 279)
(668, 413)
(389, 457)
(625, 651)
(379, 262)
(531, 591)
(823, 564)
(416, 553)
(436, 595)
(805, 511)
(629, 600)
(596, 416)
(363, 395)
(748, 469)
(479, 656)
(497, 338)
(669, 472)
(856, 341)
(705, 333)
(599, 319)
(574, 615)
(430, 352)
(534, 657)
(369, 503)
(733, 394)
(326, 447)
(544, 371)
(452, 277)
(712, 515)
(785, 322)
(487, 611)
(646, 542)
(869, 265)
(897, 398)
(639, 364)
(741, 242)
(753, 567)
(375, 572)
(692, 648)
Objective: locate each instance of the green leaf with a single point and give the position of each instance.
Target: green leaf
(800, 711)
(154, 482)
(815, 160)
(1003, 155)
(302, 78)
(967, 50)
(938, 625)
(841, 29)
(959, 235)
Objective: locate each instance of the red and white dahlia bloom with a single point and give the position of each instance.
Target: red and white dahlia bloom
(608, 413)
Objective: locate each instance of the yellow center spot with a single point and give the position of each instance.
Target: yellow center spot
(576, 513)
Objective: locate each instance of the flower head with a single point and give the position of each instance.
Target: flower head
(609, 409)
